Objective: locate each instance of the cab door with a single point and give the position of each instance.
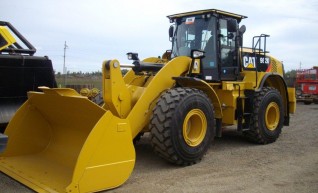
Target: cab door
(229, 68)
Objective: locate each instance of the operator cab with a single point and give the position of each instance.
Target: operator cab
(215, 33)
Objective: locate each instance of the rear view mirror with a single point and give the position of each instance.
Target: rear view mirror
(171, 32)
(242, 29)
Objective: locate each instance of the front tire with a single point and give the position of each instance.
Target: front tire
(267, 117)
(307, 102)
(182, 126)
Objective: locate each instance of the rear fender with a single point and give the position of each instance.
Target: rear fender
(288, 94)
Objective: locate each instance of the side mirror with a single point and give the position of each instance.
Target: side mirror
(231, 25)
(171, 32)
(242, 29)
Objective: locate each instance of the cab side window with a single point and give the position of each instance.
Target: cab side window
(227, 44)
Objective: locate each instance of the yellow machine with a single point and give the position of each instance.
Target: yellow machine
(6, 39)
(60, 141)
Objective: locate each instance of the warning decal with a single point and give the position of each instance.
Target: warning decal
(190, 20)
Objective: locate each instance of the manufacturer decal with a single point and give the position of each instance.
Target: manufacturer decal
(250, 61)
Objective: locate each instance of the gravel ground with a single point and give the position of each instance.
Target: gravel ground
(231, 164)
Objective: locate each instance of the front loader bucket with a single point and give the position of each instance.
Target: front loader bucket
(59, 141)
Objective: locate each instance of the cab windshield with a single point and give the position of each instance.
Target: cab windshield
(193, 33)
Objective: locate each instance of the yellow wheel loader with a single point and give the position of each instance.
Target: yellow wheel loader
(59, 141)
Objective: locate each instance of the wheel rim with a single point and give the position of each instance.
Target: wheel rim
(194, 127)
(272, 116)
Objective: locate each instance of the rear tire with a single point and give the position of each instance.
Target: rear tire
(182, 126)
(267, 117)
(308, 102)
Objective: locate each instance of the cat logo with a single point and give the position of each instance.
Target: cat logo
(249, 62)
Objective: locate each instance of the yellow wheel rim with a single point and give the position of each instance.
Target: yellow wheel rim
(194, 127)
(272, 116)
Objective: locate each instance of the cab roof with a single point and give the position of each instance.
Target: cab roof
(207, 11)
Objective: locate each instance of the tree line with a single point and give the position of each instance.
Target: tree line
(84, 74)
(290, 76)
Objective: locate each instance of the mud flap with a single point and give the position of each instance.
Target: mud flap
(60, 141)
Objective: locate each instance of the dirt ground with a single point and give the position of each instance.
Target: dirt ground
(231, 164)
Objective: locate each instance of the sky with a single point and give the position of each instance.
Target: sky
(99, 30)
